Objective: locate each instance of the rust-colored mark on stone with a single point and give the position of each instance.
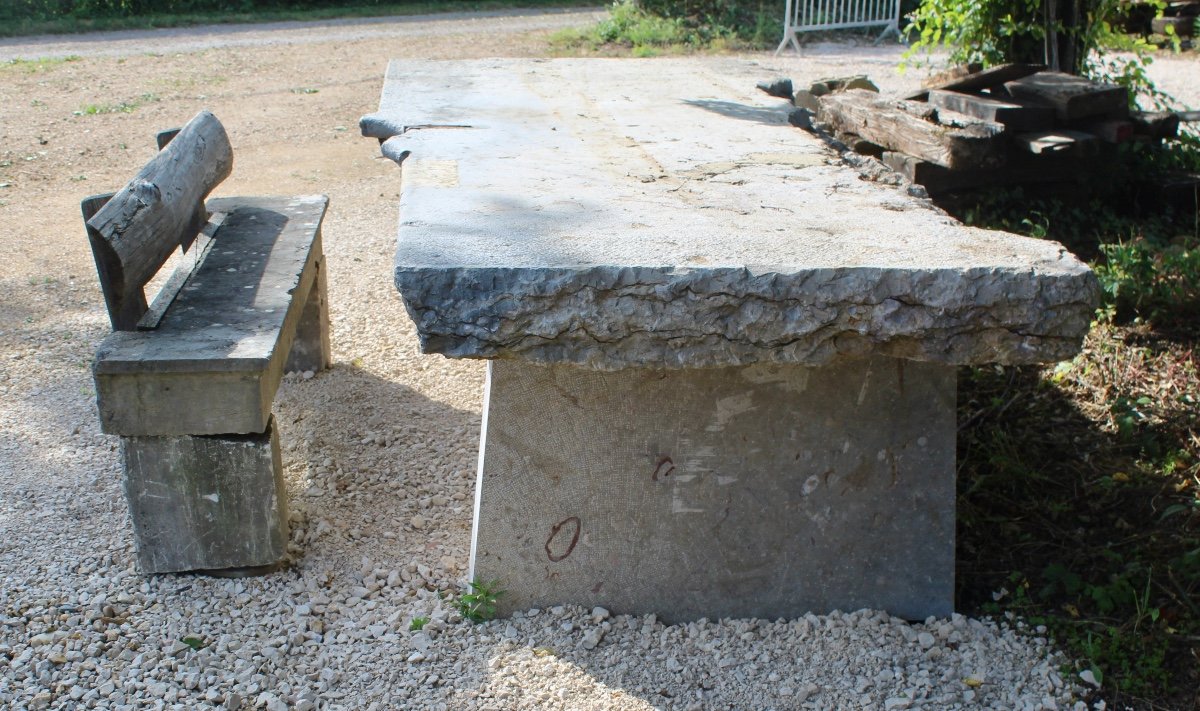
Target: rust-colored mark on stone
(558, 528)
(597, 587)
(662, 469)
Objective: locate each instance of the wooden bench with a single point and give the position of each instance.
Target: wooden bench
(187, 380)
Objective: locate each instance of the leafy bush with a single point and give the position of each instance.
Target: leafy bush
(647, 26)
(629, 24)
(1072, 34)
(758, 23)
(1152, 282)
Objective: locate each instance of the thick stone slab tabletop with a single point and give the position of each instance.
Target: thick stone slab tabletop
(619, 213)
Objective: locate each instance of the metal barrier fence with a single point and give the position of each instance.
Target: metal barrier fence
(808, 15)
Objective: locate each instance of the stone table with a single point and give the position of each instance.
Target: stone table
(722, 366)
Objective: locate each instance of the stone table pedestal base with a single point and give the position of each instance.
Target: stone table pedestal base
(765, 490)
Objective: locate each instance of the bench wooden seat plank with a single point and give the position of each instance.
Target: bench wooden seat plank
(224, 341)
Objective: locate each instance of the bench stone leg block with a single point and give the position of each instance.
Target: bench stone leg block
(310, 348)
(206, 503)
(762, 491)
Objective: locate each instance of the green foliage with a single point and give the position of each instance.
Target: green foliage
(1079, 36)
(1087, 476)
(121, 107)
(989, 31)
(479, 605)
(37, 66)
(1130, 653)
(1081, 481)
(1152, 282)
(1146, 256)
(756, 23)
(629, 24)
(648, 27)
(417, 624)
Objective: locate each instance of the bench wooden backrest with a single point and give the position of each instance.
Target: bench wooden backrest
(134, 231)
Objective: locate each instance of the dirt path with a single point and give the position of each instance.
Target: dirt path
(483, 25)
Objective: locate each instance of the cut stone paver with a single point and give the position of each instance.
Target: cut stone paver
(633, 241)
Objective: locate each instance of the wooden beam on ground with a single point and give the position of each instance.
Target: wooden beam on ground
(1156, 124)
(1072, 97)
(986, 79)
(888, 124)
(951, 75)
(1019, 117)
(1034, 170)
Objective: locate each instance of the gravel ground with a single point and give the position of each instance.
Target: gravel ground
(379, 452)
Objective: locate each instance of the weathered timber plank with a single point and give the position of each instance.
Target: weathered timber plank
(954, 119)
(951, 75)
(939, 181)
(860, 145)
(978, 81)
(1017, 117)
(222, 346)
(887, 123)
(162, 138)
(1155, 124)
(125, 306)
(1072, 97)
(190, 261)
(310, 348)
(163, 206)
(202, 503)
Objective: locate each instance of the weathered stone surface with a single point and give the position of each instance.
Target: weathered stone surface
(214, 362)
(310, 349)
(572, 211)
(767, 490)
(202, 503)
(780, 87)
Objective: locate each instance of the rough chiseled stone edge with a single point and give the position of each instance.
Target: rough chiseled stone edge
(607, 317)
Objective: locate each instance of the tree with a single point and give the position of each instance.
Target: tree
(1059, 33)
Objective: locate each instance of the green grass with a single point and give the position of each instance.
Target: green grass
(631, 29)
(36, 66)
(16, 25)
(122, 107)
(1079, 483)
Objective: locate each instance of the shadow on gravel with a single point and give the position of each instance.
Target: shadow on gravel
(370, 453)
